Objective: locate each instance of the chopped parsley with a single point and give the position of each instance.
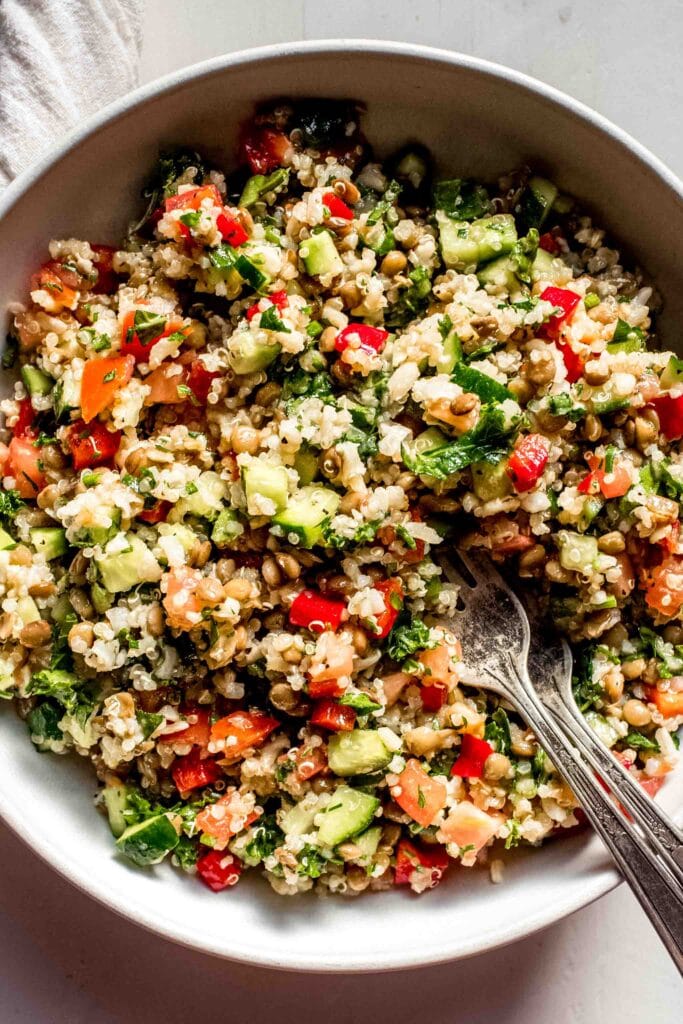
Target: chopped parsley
(461, 199)
(407, 639)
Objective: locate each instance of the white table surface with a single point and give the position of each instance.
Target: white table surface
(65, 960)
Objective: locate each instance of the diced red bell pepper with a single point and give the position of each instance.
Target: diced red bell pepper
(572, 361)
(157, 513)
(263, 148)
(336, 717)
(363, 336)
(91, 444)
(311, 610)
(26, 416)
(473, 754)
(196, 732)
(392, 592)
(278, 299)
(131, 345)
(337, 206)
(669, 408)
(101, 380)
(200, 379)
(192, 199)
(414, 862)
(25, 464)
(565, 300)
(107, 278)
(193, 772)
(527, 462)
(611, 485)
(318, 688)
(548, 242)
(434, 696)
(219, 869)
(241, 731)
(231, 230)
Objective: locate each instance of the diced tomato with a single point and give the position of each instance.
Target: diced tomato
(573, 362)
(566, 301)
(263, 148)
(242, 730)
(669, 408)
(231, 230)
(107, 278)
(132, 345)
(157, 513)
(437, 663)
(392, 592)
(527, 462)
(196, 731)
(433, 697)
(418, 794)
(473, 754)
(102, 378)
(668, 703)
(164, 383)
(25, 464)
(336, 717)
(337, 206)
(664, 591)
(60, 282)
(611, 485)
(192, 199)
(183, 608)
(549, 243)
(193, 772)
(219, 869)
(393, 686)
(200, 379)
(467, 825)
(91, 444)
(224, 819)
(310, 761)
(419, 866)
(363, 336)
(278, 299)
(313, 611)
(318, 688)
(26, 416)
(651, 784)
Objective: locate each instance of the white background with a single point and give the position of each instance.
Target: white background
(63, 959)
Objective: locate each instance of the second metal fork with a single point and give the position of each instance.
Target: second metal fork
(493, 629)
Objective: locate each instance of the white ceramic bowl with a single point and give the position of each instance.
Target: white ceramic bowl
(479, 119)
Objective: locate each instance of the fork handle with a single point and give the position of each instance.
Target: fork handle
(655, 890)
(663, 833)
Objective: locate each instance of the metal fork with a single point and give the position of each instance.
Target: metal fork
(493, 629)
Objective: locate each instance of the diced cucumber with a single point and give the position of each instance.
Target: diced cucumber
(499, 276)
(548, 268)
(125, 569)
(149, 841)
(27, 610)
(91, 536)
(429, 440)
(6, 542)
(206, 500)
(320, 255)
(49, 541)
(537, 201)
(603, 406)
(260, 185)
(37, 382)
(578, 553)
(491, 481)
(349, 812)
(226, 528)
(261, 480)
(367, 842)
(673, 373)
(306, 513)
(358, 752)
(66, 394)
(250, 355)
(298, 820)
(306, 465)
(62, 610)
(452, 354)
(186, 537)
(603, 729)
(249, 270)
(465, 245)
(626, 338)
(101, 599)
(362, 416)
(115, 800)
(591, 507)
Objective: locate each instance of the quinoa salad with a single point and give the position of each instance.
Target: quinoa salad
(233, 449)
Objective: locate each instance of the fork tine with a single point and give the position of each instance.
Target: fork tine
(480, 567)
(450, 571)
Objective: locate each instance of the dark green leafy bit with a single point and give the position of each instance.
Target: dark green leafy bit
(488, 441)
(405, 640)
(461, 199)
(300, 385)
(497, 731)
(539, 767)
(325, 123)
(365, 440)
(266, 837)
(147, 326)
(565, 405)
(412, 302)
(162, 182)
(385, 204)
(311, 862)
(270, 321)
(442, 762)
(523, 253)
(186, 853)
(260, 185)
(10, 352)
(365, 533)
(639, 741)
(148, 722)
(669, 658)
(626, 338)
(360, 702)
(488, 389)
(10, 503)
(62, 686)
(586, 689)
(43, 724)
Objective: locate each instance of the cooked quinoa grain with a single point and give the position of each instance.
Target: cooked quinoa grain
(234, 447)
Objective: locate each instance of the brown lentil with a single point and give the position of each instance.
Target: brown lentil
(35, 634)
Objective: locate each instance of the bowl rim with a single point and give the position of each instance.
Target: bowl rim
(607, 877)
